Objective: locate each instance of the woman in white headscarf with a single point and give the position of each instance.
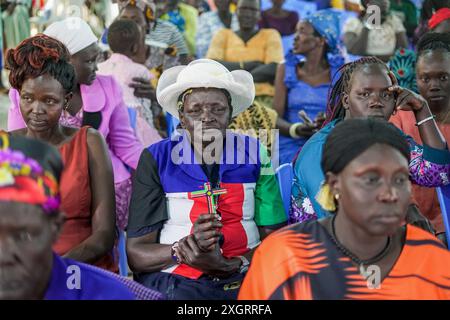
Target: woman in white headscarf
(97, 101)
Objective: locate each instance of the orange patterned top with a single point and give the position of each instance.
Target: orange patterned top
(301, 262)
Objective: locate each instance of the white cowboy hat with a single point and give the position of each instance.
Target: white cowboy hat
(205, 73)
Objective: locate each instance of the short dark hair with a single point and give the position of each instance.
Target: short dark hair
(39, 55)
(352, 137)
(122, 34)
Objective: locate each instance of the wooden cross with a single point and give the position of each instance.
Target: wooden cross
(210, 195)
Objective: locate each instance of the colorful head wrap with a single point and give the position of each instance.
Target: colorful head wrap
(438, 17)
(23, 179)
(146, 6)
(327, 24)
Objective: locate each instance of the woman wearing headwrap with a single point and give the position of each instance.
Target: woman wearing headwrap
(43, 77)
(97, 101)
(363, 251)
(31, 220)
(440, 21)
(366, 88)
(302, 82)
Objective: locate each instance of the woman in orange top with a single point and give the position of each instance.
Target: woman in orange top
(433, 83)
(41, 72)
(363, 251)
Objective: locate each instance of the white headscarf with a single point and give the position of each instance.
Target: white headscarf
(73, 32)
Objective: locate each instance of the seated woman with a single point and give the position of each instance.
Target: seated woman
(366, 88)
(124, 39)
(302, 82)
(363, 38)
(284, 21)
(433, 80)
(211, 22)
(97, 101)
(44, 80)
(31, 216)
(197, 212)
(363, 251)
(250, 49)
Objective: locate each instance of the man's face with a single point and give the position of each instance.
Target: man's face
(26, 238)
(208, 107)
(248, 13)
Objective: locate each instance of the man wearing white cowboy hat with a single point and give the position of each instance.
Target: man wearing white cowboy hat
(194, 226)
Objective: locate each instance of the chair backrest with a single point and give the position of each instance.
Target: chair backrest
(123, 260)
(285, 175)
(444, 201)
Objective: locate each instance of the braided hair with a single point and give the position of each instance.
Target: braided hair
(335, 107)
(37, 56)
(433, 41)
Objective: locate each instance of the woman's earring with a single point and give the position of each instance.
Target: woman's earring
(336, 196)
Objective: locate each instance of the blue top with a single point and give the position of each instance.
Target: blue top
(301, 96)
(428, 167)
(93, 284)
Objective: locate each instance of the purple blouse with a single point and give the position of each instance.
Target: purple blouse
(285, 26)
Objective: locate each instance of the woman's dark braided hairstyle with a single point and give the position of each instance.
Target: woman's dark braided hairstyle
(335, 108)
(433, 41)
(343, 145)
(39, 55)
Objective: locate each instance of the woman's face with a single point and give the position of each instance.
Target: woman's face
(433, 79)
(85, 64)
(374, 190)
(305, 39)
(368, 94)
(248, 14)
(208, 108)
(42, 100)
(26, 238)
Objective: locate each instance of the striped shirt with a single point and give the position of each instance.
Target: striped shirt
(168, 34)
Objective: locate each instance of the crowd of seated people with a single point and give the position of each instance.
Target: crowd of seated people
(169, 130)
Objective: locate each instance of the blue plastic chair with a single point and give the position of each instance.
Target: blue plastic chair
(444, 201)
(123, 260)
(285, 176)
